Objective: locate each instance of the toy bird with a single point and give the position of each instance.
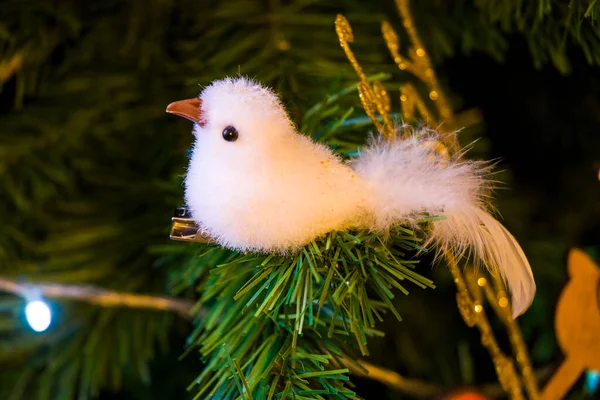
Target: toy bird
(255, 184)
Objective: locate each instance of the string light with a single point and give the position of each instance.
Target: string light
(592, 379)
(38, 315)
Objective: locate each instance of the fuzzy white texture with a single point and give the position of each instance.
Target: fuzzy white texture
(271, 189)
(407, 179)
(274, 190)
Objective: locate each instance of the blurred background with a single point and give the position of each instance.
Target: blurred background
(91, 168)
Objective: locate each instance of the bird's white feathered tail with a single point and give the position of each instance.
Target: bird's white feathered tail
(409, 179)
(476, 231)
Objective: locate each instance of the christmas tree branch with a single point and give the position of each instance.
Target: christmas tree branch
(412, 387)
(94, 295)
(10, 67)
(110, 298)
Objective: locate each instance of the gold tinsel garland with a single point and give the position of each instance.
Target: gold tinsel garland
(472, 288)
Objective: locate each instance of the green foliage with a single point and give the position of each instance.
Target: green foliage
(90, 166)
(274, 322)
(550, 26)
(90, 350)
(551, 29)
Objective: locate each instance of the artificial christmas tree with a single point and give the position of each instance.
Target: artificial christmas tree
(89, 173)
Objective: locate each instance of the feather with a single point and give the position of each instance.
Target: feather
(476, 231)
(408, 179)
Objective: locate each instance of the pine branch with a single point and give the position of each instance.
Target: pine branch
(108, 298)
(101, 297)
(412, 387)
(91, 96)
(9, 67)
(288, 318)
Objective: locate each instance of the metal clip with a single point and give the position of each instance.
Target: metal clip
(184, 228)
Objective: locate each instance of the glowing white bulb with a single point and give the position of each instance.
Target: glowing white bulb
(38, 315)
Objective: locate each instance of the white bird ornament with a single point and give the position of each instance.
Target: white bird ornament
(255, 184)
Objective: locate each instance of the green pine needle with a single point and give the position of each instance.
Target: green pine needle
(285, 315)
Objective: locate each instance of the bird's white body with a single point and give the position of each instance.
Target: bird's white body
(272, 189)
(275, 190)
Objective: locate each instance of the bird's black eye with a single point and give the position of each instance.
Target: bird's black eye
(230, 134)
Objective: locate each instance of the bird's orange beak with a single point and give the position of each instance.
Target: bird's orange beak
(189, 109)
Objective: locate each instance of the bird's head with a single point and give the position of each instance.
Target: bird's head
(235, 114)
(245, 149)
